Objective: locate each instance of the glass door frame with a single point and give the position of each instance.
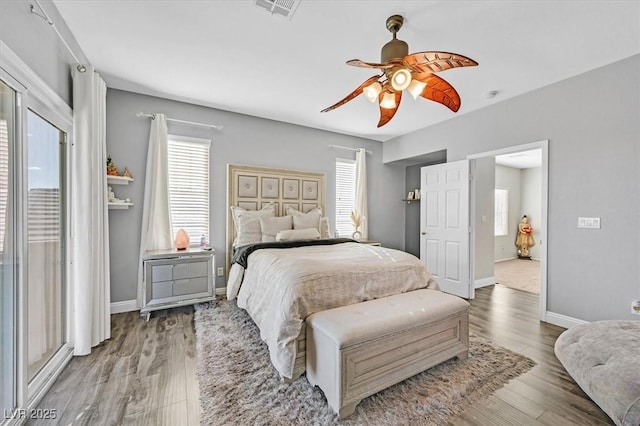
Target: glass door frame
(32, 93)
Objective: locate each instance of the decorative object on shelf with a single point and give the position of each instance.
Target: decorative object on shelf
(356, 221)
(112, 195)
(410, 195)
(524, 239)
(126, 173)
(112, 170)
(416, 194)
(182, 240)
(414, 72)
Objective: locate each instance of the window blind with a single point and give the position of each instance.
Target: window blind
(189, 186)
(345, 196)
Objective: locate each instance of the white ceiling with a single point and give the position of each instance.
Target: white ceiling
(521, 160)
(235, 56)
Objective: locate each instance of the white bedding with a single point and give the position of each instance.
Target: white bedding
(281, 287)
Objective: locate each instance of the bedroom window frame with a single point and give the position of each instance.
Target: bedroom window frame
(501, 212)
(193, 156)
(345, 196)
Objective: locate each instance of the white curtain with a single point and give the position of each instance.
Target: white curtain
(156, 231)
(89, 215)
(361, 191)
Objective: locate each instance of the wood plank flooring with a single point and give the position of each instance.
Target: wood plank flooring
(146, 373)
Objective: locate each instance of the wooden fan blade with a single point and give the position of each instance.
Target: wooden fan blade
(353, 94)
(386, 114)
(362, 64)
(437, 61)
(438, 90)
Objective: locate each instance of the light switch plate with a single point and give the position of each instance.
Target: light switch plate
(220, 271)
(589, 222)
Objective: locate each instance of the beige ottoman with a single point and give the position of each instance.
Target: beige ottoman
(357, 350)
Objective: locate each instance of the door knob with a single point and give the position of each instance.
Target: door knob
(423, 233)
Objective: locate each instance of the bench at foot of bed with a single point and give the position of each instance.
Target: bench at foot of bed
(357, 350)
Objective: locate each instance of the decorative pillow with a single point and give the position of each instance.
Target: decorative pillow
(324, 227)
(267, 211)
(310, 219)
(248, 226)
(271, 225)
(298, 234)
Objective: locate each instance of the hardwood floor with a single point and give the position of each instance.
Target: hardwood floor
(146, 373)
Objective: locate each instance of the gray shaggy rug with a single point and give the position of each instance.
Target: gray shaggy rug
(239, 386)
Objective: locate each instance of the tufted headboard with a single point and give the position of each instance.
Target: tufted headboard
(252, 188)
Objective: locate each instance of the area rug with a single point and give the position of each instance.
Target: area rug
(239, 386)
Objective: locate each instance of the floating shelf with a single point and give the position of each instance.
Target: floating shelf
(120, 206)
(119, 180)
(409, 201)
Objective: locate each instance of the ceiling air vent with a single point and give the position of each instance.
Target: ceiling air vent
(284, 8)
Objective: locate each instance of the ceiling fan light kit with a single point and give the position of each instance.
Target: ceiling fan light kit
(401, 70)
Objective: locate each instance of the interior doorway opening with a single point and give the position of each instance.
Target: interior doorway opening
(507, 185)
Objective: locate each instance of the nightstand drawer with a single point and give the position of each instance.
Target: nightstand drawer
(190, 286)
(162, 289)
(190, 270)
(162, 272)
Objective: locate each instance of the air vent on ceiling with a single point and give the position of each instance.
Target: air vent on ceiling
(284, 8)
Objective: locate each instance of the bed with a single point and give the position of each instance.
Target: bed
(280, 283)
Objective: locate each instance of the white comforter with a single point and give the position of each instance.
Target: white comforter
(281, 287)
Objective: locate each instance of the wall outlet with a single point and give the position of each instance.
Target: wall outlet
(635, 307)
(589, 222)
(220, 272)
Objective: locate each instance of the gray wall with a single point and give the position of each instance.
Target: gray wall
(484, 185)
(244, 140)
(530, 203)
(591, 122)
(33, 39)
(509, 178)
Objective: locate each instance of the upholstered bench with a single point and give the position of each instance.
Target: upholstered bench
(603, 357)
(357, 350)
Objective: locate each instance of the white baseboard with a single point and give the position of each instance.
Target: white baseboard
(563, 320)
(483, 282)
(221, 291)
(124, 306)
(504, 260)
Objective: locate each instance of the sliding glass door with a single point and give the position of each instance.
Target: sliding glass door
(45, 242)
(34, 287)
(8, 285)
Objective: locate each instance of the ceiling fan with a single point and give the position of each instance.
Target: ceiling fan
(414, 72)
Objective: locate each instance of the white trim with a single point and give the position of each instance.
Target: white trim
(544, 206)
(483, 282)
(58, 110)
(124, 306)
(563, 320)
(505, 259)
(221, 291)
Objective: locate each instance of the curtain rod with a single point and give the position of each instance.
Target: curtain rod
(46, 17)
(175, 120)
(368, 151)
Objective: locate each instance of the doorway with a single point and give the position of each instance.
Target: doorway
(517, 170)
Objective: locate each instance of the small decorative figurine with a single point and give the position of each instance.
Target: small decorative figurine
(111, 168)
(112, 195)
(182, 240)
(524, 239)
(126, 173)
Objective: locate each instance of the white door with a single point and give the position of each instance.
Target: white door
(444, 225)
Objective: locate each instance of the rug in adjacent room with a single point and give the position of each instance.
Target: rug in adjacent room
(238, 384)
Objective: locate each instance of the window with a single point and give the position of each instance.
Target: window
(345, 196)
(189, 186)
(501, 212)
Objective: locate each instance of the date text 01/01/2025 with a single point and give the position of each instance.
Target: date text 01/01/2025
(35, 413)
